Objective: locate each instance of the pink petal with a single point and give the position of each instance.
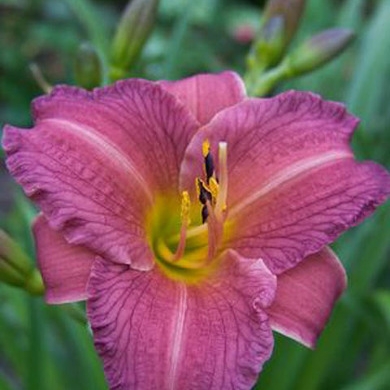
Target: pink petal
(207, 94)
(138, 118)
(298, 218)
(306, 295)
(94, 161)
(293, 183)
(156, 333)
(65, 268)
(266, 136)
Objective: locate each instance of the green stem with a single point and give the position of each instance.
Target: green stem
(260, 84)
(36, 354)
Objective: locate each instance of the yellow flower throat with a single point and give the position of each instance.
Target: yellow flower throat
(186, 240)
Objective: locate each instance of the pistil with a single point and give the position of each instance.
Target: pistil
(220, 206)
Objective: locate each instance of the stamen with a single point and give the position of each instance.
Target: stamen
(215, 231)
(214, 189)
(208, 160)
(205, 213)
(216, 214)
(212, 195)
(205, 147)
(185, 221)
(204, 194)
(185, 208)
(220, 206)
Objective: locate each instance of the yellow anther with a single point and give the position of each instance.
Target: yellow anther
(185, 208)
(197, 186)
(214, 189)
(206, 147)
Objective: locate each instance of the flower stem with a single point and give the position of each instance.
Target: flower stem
(36, 352)
(261, 85)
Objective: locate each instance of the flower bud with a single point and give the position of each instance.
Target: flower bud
(291, 12)
(133, 30)
(87, 67)
(16, 269)
(269, 44)
(279, 24)
(319, 49)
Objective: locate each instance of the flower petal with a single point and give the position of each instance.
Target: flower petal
(305, 296)
(94, 161)
(207, 94)
(293, 183)
(137, 119)
(65, 268)
(298, 218)
(267, 136)
(156, 333)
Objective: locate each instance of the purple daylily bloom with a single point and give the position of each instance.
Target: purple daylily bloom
(193, 219)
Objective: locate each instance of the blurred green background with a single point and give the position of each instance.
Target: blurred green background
(42, 347)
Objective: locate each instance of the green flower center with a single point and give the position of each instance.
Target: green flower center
(186, 237)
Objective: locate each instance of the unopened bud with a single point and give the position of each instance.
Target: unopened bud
(269, 45)
(291, 11)
(319, 49)
(279, 24)
(87, 67)
(133, 30)
(16, 268)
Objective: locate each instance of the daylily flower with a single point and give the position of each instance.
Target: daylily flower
(193, 219)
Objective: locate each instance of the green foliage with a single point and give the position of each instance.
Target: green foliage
(42, 347)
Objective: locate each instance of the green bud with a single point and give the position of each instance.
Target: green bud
(291, 11)
(16, 268)
(87, 67)
(133, 30)
(319, 50)
(269, 44)
(34, 283)
(279, 24)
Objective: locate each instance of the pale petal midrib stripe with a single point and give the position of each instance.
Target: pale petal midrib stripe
(177, 336)
(106, 147)
(287, 174)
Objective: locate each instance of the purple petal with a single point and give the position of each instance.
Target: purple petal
(139, 120)
(293, 183)
(298, 218)
(94, 161)
(305, 297)
(207, 94)
(65, 268)
(156, 333)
